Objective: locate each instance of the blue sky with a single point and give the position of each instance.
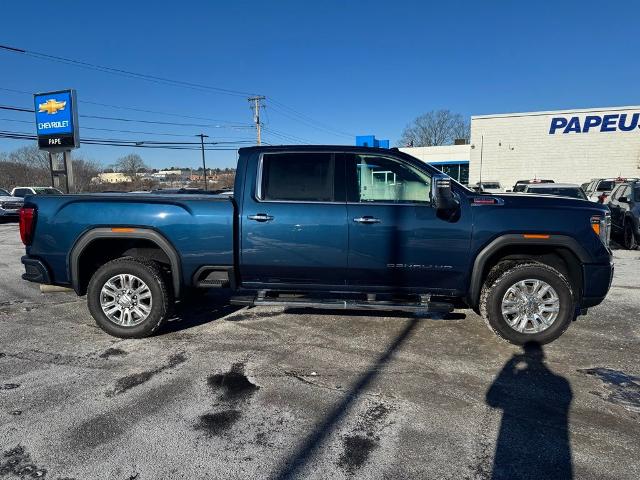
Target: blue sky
(352, 67)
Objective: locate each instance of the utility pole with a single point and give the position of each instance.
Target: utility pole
(255, 106)
(204, 165)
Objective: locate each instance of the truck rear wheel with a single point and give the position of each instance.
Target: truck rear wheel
(128, 297)
(527, 302)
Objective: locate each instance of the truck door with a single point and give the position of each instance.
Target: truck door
(293, 225)
(395, 237)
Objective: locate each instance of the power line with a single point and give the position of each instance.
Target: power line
(115, 130)
(132, 143)
(123, 72)
(286, 136)
(134, 109)
(133, 120)
(298, 116)
(301, 117)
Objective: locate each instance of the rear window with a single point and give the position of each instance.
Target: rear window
(561, 192)
(298, 177)
(606, 186)
(636, 195)
(490, 185)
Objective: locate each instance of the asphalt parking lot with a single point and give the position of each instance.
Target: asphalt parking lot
(224, 392)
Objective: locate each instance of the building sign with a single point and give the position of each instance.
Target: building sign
(614, 122)
(57, 120)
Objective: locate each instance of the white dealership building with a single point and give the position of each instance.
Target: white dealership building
(571, 146)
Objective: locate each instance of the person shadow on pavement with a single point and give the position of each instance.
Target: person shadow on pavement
(533, 442)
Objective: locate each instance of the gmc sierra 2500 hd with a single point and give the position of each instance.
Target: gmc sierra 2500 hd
(338, 227)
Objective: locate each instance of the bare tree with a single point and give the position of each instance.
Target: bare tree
(438, 127)
(130, 165)
(83, 171)
(29, 166)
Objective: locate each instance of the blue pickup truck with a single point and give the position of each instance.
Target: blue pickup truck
(327, 227)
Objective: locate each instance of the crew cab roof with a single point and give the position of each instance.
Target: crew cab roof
(314, 148)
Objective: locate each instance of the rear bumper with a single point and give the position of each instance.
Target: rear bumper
(35, 270)
(597, 281)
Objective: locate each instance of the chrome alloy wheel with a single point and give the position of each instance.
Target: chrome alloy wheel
(530, 306)
(126, 300)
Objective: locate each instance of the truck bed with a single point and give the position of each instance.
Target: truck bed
(200, 228)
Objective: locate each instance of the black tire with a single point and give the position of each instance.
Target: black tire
(506, 274)
(629, 237)
(149, 272)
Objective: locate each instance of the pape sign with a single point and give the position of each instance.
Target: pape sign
(57, 120)
(614, 122)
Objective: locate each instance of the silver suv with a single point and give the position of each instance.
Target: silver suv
(9, 205)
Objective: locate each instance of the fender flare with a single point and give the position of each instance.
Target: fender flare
(481, 259)
(73, 261)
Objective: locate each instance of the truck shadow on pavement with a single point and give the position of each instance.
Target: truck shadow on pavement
(198, 310)
(533, 441)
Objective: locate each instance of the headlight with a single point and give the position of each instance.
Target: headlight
(601, 225)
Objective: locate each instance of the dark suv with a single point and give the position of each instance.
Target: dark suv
(625, 212)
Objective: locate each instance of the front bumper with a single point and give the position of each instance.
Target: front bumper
(597, 281)
(35, 270)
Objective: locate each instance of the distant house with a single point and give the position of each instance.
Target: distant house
(113, 177)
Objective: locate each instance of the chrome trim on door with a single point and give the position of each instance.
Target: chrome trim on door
(260, 217)
(366, 219)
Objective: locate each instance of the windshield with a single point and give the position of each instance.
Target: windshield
(560, 192)
(606, 186)
(491, 185)
(4, 193)
(47, 191)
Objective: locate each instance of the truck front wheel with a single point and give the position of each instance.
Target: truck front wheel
(128, 297)
(527, 302)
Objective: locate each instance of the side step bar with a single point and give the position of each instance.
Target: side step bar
(343, 304)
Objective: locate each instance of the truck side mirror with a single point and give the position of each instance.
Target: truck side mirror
(623, 200)
(443, 198)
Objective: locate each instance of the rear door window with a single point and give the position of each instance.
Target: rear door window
(298, 177)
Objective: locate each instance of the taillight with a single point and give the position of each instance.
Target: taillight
(27, 224)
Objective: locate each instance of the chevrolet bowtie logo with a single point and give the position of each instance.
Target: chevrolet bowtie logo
(51, 106)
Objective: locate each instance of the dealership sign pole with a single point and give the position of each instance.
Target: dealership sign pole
(57, 129)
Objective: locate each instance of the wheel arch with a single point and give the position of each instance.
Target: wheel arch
(134, 238)
(559, 251)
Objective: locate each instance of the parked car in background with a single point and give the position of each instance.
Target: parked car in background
(489, 187)
(24, 191)
(600, 189)
(9, 205)
(625, 213)
(521, 184)
(557, 189)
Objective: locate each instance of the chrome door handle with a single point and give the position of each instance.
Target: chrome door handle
(260, 217)
(366, 219)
